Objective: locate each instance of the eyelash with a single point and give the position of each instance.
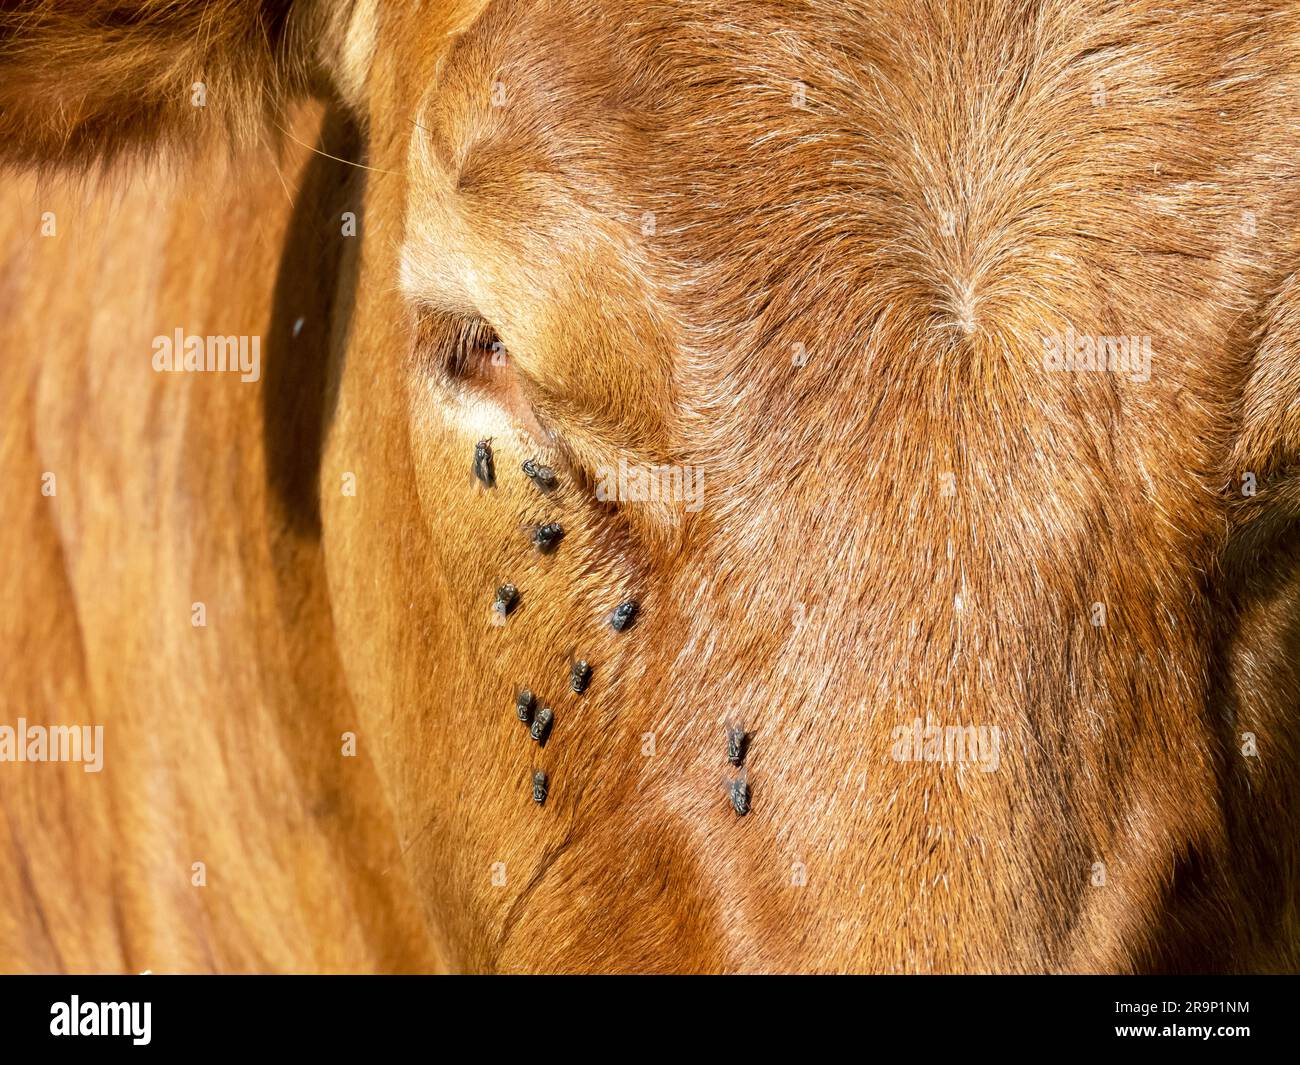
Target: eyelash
(472, 358)
(476, 351)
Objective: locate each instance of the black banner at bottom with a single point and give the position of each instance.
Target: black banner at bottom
(343, 1014)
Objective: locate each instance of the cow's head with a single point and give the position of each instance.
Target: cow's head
(783, 295)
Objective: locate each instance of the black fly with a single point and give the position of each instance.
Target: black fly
(524, 703)
(546, 537)
(623, 616)
(542, 476)
(539, 786)
(737, 741)
(541, 727)
(738, 789)
(484, 466)
(506, 600)
(579, 676)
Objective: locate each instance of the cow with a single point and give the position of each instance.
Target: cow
(907, 392)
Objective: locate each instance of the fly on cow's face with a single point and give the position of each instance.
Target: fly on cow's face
(524, 703)
(484, 464)
(541, 726)
(546, 537)
(542, 476)
(738, 790)
(579, 676)
(624, 614)
(539, 786)
(506, 600)
(737, 741)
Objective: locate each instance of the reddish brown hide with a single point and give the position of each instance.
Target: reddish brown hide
(817, 262)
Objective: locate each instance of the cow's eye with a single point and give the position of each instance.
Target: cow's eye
(476, 354)
(468, 358)
(462, 353)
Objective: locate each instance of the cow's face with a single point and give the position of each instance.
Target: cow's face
(736, 270)
(778, 293)
(733, 253)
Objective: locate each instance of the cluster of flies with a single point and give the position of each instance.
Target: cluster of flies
(539, 720)
(545, 538)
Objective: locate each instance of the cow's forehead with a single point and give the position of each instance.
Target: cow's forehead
(582, 128)
(537, 103)
(614, 105)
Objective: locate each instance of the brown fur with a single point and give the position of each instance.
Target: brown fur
(949, 193)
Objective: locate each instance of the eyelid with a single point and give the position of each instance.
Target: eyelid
(469, 358)
(476, 351)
